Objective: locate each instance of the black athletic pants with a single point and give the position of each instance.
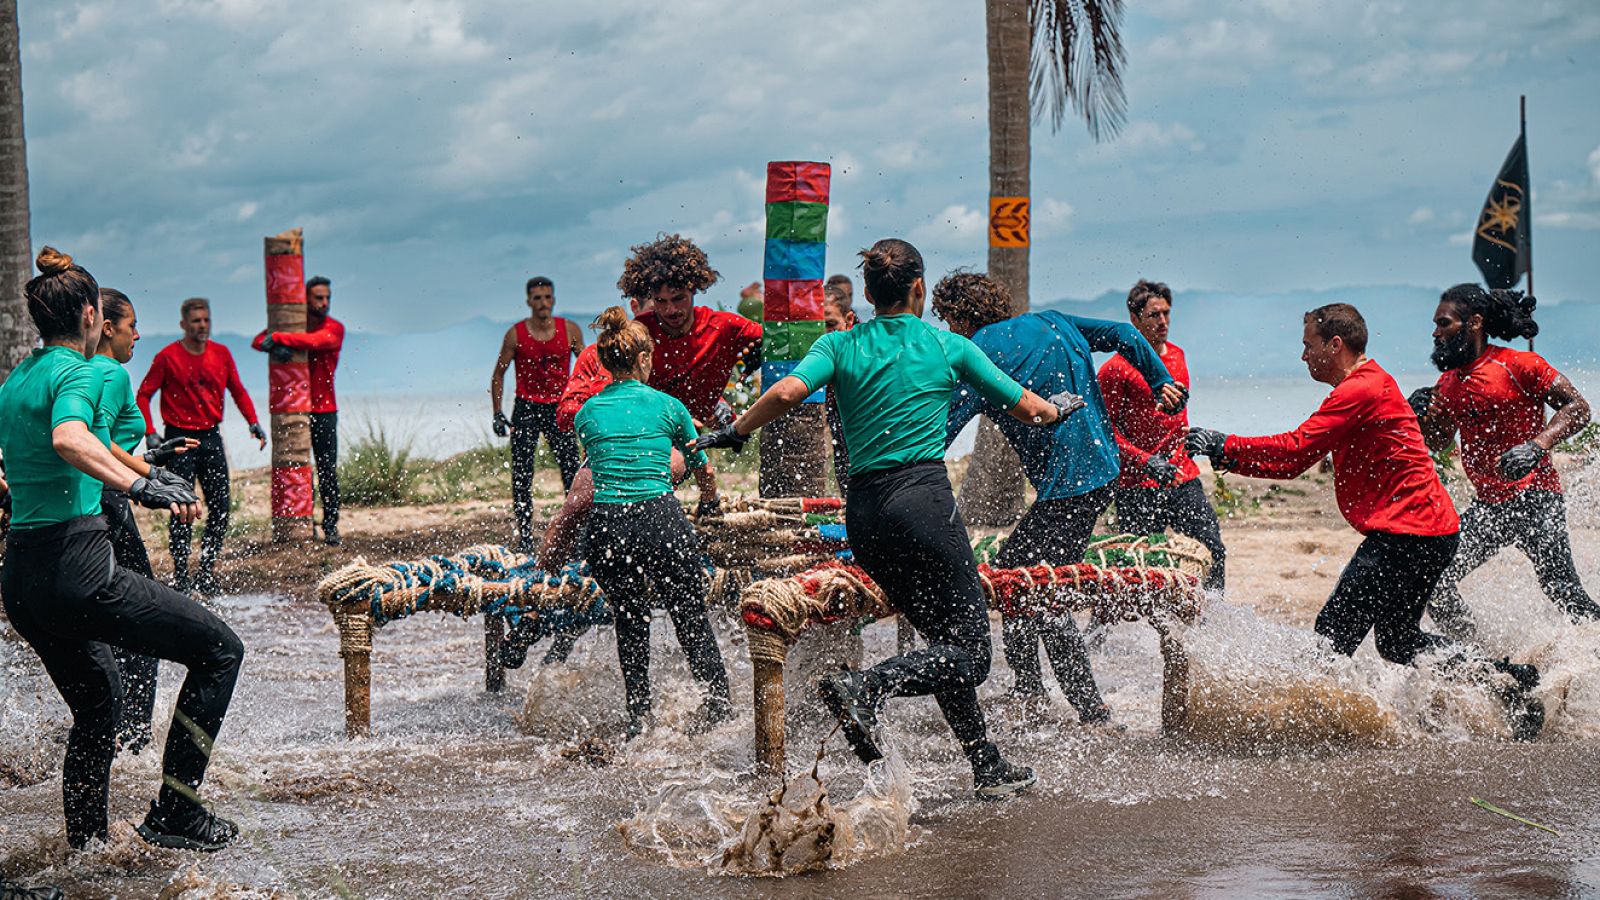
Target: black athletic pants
(1536, 523)
(1183, 508)
(528, 421)
(633, 545)
(206, 467)
(325, 451)
(1383, 589)
(1053, 532)
(841, 453)
(906, 533)
(66, 596)
(138, 670)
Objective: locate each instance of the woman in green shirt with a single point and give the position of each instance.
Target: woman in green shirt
(638, 533)
(893, 377)
(124, 424)
(67, 598)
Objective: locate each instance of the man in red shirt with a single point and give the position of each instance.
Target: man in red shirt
(1495, 396)
(322, 341)
(191, 374)
(1387, 489)
(838, 314)
(695, 351)
(1159, 487)
(542, 347)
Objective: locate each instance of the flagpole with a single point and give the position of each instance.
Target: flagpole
(1527, 203)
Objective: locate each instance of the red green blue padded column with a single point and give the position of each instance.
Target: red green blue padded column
(794, 265)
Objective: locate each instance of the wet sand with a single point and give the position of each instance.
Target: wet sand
(452, 798)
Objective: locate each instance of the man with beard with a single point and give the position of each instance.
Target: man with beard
(1387, 489)
(1495, 396)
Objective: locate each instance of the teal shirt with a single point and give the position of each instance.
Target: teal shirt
(893, 377)
(629, 430)
(117, 410)
(52, 386)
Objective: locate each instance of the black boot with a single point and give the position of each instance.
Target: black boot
(845, 695)
(713, 711)
(519, 637)
(330, 534)
(10, 890)
(1524, 712)
(190, 827)
(995, 779)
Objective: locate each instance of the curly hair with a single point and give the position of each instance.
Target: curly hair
(670, 261)
(1507, 314)
(971, 297)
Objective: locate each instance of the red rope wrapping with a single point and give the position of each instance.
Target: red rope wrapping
(1031, 592)
(820, 504)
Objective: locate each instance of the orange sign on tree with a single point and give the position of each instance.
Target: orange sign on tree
(1008, 221)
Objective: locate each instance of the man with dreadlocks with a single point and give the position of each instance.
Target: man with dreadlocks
(1072, 466)
(695, 350)
(1495, 396)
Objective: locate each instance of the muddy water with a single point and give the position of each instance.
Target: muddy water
(452, 797)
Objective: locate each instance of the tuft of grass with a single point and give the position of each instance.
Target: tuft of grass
(1584, 442)
(377, 471)
(1228, 501)
(481, 473)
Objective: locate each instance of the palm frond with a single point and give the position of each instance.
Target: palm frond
(1077, 63)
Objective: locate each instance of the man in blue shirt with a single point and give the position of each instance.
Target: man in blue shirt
(1072, 466)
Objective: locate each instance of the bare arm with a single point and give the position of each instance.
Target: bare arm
(574, 337)
(1438, 429)
(83, 451)
(788, 393)
(135, 463)
(1572, 413)
(497, 381)
(1033, 409)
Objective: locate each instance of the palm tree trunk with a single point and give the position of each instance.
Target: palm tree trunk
(992, 491)
(16, 333)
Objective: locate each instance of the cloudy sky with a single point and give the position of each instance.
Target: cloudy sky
(438, 152)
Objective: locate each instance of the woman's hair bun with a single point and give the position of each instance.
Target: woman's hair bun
(611, 321)
(52, 261)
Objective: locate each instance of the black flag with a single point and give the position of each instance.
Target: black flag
(1502, 242)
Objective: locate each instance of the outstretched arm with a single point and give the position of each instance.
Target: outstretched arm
(497, 380)
(1572, 414)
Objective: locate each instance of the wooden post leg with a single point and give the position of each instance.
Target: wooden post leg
(355, 645)
(767, 653)
(1174, 677)
(494, 674)
(905, 637)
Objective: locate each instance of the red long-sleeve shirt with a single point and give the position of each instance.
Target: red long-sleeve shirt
(693, 367)
(587, 379)
(1497, 401)
(1382, 475)
(322, 345)
(191, 387)
(1142, 430)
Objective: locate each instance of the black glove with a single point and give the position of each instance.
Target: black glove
(256, 432)
(1066, 403)
(1420, 399)
(1518, 462)
(723, 414)
(152, 441)
(711, 508)
(152, 494)
(725, 436)
(163, 453)
(281, 354)
(267, 344)
(1207, 442)
(1161, 471)
(1182, 402)
(502, 425)
(169, 477)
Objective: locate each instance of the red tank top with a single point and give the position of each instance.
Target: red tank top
(542, 366)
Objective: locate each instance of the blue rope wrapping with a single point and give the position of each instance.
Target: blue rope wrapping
(467, 574)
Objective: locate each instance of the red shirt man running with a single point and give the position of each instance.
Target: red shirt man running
(542, 347)
(1159, 487)
(1387, 490)
(322, 340)
(1496, 397)
(191, 375)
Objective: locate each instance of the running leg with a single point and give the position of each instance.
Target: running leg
(524, 450)
(1546, 545)
(325, 451)
(211, 471)
(1484, 530)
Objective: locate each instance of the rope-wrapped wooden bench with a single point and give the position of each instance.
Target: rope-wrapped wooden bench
(1158, 580)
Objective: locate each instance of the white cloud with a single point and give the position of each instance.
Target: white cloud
(247, 211)
(955, 223)
(1586, 221)
(1460, 239)
(1050, 216)
(1420, 216)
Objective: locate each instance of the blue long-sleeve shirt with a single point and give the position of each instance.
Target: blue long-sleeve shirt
(1048, 352)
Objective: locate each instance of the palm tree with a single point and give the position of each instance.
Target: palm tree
(1045, 57)
(16, 337)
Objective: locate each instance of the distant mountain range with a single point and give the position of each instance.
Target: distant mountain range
(1226, 336)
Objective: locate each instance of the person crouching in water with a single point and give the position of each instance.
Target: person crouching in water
(894, 376)
(638, 534)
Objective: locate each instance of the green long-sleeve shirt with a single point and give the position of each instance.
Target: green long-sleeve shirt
(117, 409)
(54, 385)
